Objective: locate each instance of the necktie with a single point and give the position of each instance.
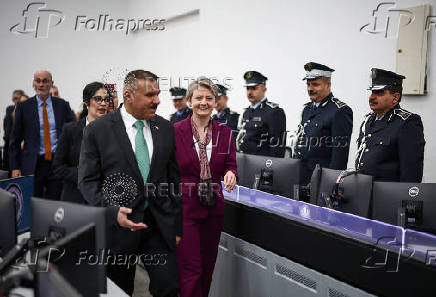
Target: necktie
(47, 145)
(141, 152)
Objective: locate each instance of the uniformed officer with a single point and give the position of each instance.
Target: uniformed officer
(391, 140)
(224, 114)
(180, 104)
(324, 132)
(262, 126)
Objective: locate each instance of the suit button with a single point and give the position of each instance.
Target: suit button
(381, 142)
(316, 125)
(241, 151)
(255, 125)
(369, 135)
(367, 150)
(242, 141)
(361, 163)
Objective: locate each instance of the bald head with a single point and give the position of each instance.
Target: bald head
(42, 82)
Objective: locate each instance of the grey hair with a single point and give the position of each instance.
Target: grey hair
(203, 82)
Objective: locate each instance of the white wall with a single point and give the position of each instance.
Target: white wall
(228, 38)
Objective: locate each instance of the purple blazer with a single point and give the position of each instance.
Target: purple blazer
(222, 159)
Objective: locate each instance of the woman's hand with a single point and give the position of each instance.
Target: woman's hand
(229, 181)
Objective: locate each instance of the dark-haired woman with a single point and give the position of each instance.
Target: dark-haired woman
(96, 100)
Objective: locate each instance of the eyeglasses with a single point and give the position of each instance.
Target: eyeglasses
(100, 99)
(44, 81)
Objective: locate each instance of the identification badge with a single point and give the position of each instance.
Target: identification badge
(257, 119)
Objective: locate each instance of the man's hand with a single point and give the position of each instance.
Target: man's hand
(229, 181)
(178, 238)
(16, 173)
(123, 221)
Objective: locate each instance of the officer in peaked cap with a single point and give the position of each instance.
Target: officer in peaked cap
(324, 133)
(262, 126)
(180, 104)
(224, 114)
(391, 139)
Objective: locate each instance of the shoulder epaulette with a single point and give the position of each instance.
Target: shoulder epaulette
(233, 112)
(338, 102)
(272, 104)
(402, 113)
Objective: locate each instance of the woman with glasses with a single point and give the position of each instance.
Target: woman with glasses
(96, 101)
(206, 155)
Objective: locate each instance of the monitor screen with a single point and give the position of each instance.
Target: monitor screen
(76, 274)
(356, 190)
(8, 222)
(278, 176)
(412, 205)
(4, 174)
(55, 219)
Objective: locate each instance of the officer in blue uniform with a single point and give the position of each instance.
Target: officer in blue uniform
(391, 140)
(224, 114)
(324, 133)
(180, 104)
(262, 126)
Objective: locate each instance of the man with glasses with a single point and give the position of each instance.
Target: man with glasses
(39, 121)
(391, 139)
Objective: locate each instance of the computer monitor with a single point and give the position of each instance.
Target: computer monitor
(8, 222)
(55, 219)
(240, 162)
(4, 174)
(52, 284)
(279, 176)
(411, 205)
(63, 270)
(355, 191)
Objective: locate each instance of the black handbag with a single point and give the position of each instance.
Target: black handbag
(205, 192)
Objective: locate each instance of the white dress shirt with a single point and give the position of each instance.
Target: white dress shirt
(208, 149)
(129, 122)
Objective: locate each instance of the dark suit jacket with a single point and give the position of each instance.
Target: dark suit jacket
(174, 118)
(66, 160)
(7, 129)
(394, 147)
(26, 127)
(327, 135)
(107, 158)
(222, 159)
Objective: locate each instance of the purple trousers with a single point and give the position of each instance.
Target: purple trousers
(196, 255)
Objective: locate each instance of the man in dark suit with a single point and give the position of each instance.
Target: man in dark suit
(391, 139)
(180, 104)
(326, 124)
(224, 114)
(128, 163)
(39, 121)
(7, 126)
(262, 126)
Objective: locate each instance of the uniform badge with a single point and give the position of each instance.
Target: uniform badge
(257, 119)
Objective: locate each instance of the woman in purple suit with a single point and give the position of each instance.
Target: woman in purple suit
(206, 155)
